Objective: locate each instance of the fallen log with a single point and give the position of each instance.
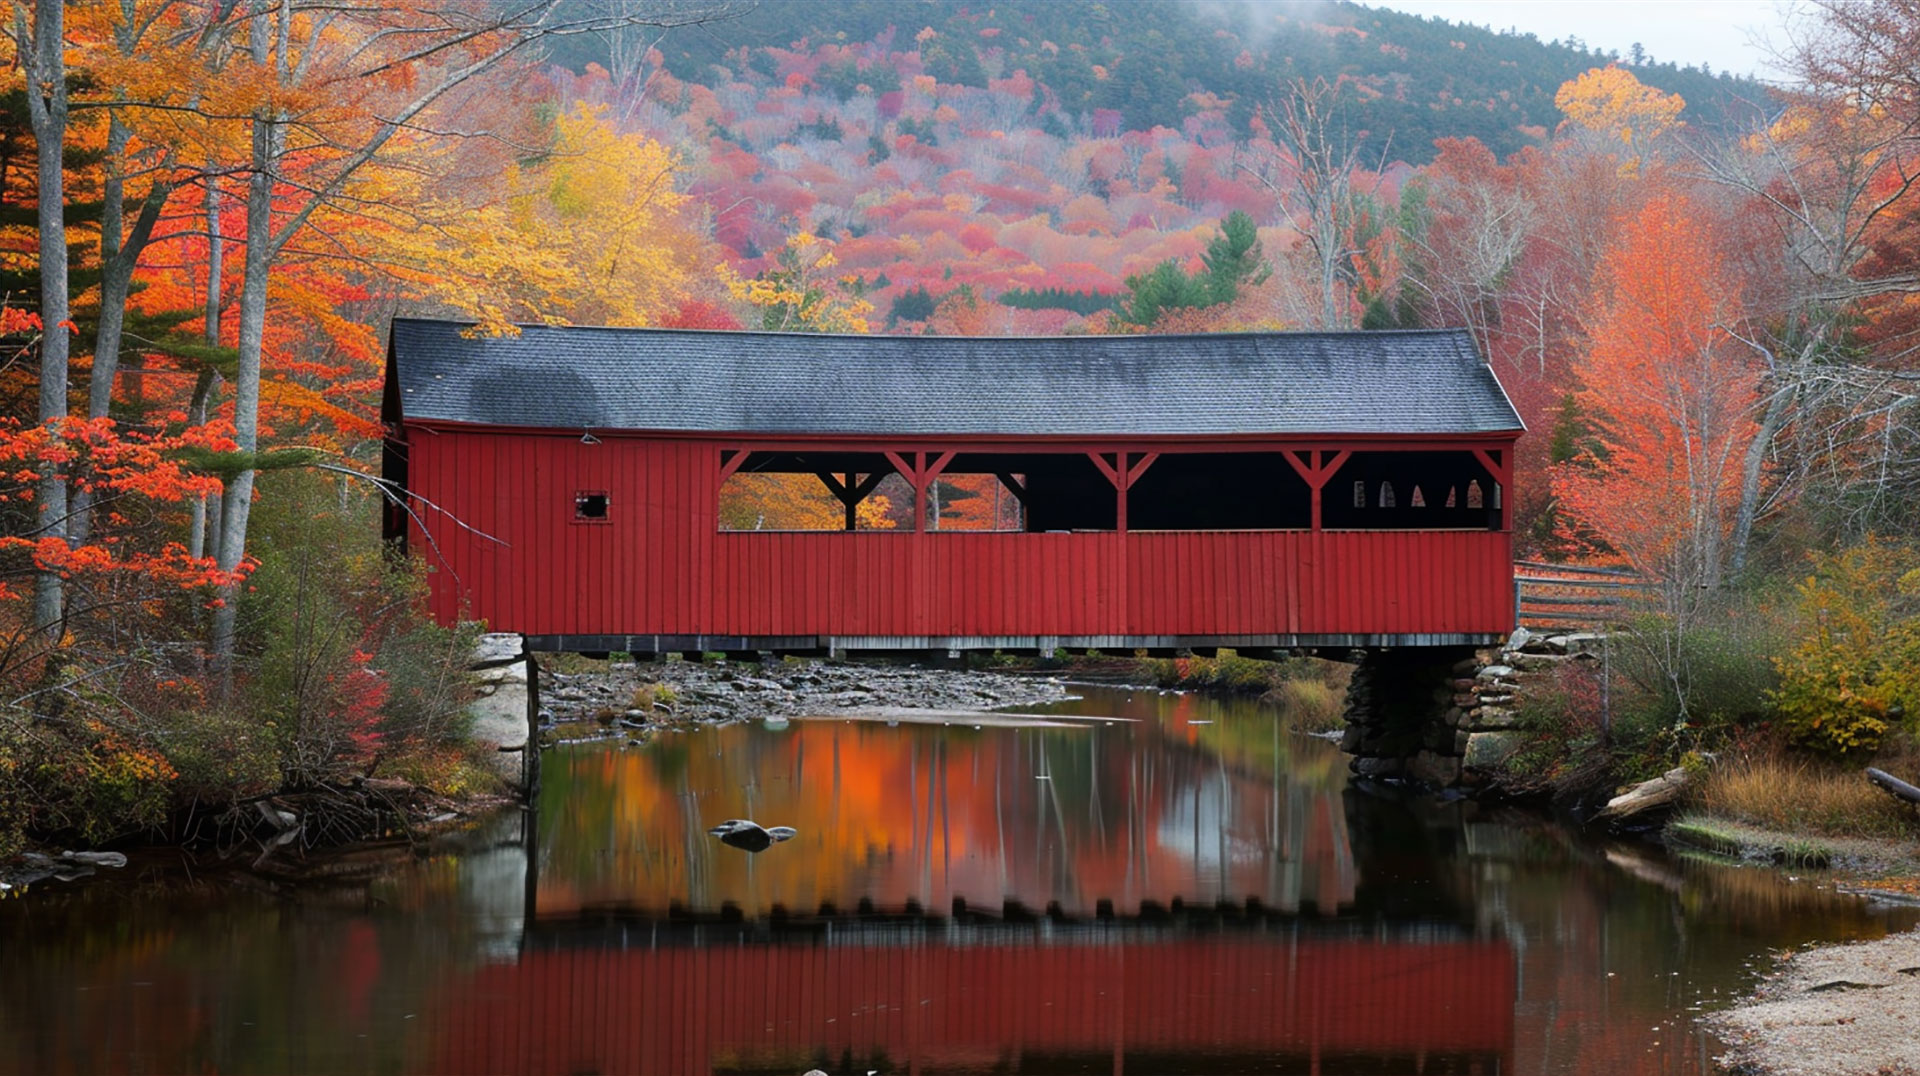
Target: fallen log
(1894, 786)
(1659, 794)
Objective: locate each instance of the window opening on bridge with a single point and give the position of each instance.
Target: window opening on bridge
(815, 491)
(976, 501)
(1220, 491)
(590, 506)
(1442, 491)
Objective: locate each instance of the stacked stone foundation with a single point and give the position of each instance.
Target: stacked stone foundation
(1448, 716)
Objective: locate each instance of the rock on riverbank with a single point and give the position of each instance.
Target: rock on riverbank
(1842, 1010)
(738, 691)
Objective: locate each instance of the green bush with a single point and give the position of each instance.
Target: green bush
(14, 790)
(1228, 673)
(1677, 690)
(219, 756)
(1855, 673)
(345, 666)
(78, 777)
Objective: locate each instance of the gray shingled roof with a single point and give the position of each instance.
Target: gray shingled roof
(1419, 382)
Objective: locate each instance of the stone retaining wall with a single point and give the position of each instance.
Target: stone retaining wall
(1448, 717)
(507, 701)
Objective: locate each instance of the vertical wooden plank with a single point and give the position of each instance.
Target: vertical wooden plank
(518, 565)
(1322, 579)
(705, 589)
(819, 573)
(1130, 581)
(459, 486)
(656, 592)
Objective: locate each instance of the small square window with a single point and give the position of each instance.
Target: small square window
(590, 506)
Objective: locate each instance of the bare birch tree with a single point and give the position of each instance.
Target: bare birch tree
(1313, 174)
(40, 45)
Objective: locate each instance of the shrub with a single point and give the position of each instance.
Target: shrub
(220, 756)
(654, 696)
(15, 792)
(1228, 673)
(1693, 687)
(345, 665)
(1563, 717)
(1856, 671)
(78, 777)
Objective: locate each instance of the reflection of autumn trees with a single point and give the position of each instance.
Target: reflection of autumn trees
(1123, 812)
(1615, 946)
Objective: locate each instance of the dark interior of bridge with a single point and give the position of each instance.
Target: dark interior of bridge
(1069, 491)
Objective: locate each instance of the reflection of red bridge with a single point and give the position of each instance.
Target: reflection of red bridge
(1225, 1003)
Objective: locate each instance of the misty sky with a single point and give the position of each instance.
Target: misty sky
(1683, 31)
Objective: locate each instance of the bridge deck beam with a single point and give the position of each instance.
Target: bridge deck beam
(853, 645)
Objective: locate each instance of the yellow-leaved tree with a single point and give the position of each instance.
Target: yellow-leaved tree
(1611, 103)
(801, 293)
(593, 232)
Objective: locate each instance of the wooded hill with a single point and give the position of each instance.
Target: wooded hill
(1154, 63)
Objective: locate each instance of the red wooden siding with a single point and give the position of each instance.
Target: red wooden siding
(661, 566)
(934, 1008)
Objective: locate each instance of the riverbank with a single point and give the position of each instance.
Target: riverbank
(1841, 1010)
(1836, 1010)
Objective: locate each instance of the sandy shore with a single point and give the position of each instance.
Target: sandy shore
(1841, 1010)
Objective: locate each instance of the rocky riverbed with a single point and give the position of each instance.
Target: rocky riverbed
(627, 696)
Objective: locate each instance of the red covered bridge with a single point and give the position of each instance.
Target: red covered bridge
(1255, 491)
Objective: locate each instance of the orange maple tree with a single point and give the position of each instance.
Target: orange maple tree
(1670, 394)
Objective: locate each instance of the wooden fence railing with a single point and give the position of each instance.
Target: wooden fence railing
(1574, 596)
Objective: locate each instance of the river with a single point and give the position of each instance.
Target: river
(1152, 882)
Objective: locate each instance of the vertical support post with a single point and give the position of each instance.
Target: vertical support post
(1499, 465)
(919, 481)
(1319, 484)
(1316, 470)
(1123, 472)
(851, 505)
(919, 474)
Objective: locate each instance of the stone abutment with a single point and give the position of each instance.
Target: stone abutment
(1449, 716)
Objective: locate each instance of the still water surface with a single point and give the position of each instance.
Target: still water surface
(1162, 883)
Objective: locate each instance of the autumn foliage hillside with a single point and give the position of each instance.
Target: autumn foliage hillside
(1703, 312)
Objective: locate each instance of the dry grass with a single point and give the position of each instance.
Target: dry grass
(656, 695)
(1794, 796)
(1310, 705)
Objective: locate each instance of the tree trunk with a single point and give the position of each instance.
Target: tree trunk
(236, 499)
(204, 387)
(1750, 467)
(47, 112)
(209, 380)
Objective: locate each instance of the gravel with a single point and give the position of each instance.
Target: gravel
(1841, 1010)
(735, 691)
